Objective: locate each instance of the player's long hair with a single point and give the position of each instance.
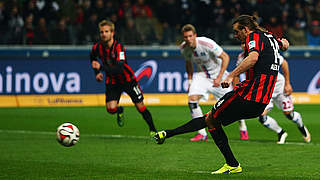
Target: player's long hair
(248, 21)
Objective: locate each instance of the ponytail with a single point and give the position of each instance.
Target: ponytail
(248, 21)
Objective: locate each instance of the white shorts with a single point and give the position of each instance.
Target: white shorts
(282, 101)
(201, 85)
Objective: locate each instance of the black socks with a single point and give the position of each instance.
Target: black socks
(191, 126)
(221, 140)
(148, 118)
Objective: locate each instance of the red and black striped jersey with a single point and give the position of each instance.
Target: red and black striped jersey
(113, 57)
(261, 78)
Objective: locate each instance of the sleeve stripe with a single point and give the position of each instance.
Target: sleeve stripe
(93, 56)
(256, 39)
(101, 52)
(247, 42)
(94, 48)
(118, 50)
(206, 44)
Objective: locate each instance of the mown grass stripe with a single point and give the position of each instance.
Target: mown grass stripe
(139, 137)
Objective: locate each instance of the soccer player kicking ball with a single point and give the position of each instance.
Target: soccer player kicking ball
(119, 75)
(246, 101)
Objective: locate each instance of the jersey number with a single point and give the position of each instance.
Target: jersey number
(287, 104)
(275, 46)
(136, 89)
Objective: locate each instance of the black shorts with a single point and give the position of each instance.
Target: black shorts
(232, 107)
(132, 88)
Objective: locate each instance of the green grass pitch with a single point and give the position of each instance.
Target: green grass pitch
(29, 150)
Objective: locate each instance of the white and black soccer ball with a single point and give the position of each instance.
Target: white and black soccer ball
(68, 134)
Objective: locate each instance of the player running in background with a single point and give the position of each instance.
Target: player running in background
(119, 75)
(249, 98)
(211, 62)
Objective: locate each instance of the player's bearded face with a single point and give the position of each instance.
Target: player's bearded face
(190, 38)
(105, 33)
(239, 34)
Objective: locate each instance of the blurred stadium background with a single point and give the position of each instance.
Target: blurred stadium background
(46, 79)
(150, 22)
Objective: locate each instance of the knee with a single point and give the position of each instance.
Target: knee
(112, 110)
(289, 114)
(212, 122)
(262, 119)
(194, 98)
(141, 109)
(207, 119)
(193, 105)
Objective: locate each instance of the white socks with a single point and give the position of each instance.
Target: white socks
(297, 119)
(196, 112)
(242, 125)
(272, 124)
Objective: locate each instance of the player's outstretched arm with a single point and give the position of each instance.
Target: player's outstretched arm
(247, 63)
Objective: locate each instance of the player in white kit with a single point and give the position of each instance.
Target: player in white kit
(211, 63)
(282, 98)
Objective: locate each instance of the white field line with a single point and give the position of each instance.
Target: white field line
(135, 137)
(201, 172)
(86, 135)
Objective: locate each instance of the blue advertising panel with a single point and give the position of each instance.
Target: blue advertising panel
(157, 72)
(75, 76)
(47, 77)
(304, 74)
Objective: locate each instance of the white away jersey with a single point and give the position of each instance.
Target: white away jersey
(279, 87)
(205, 56)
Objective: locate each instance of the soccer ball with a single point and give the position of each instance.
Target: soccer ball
(68, 134)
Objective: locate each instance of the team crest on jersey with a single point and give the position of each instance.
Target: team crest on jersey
(121, 55)
(252, 44)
